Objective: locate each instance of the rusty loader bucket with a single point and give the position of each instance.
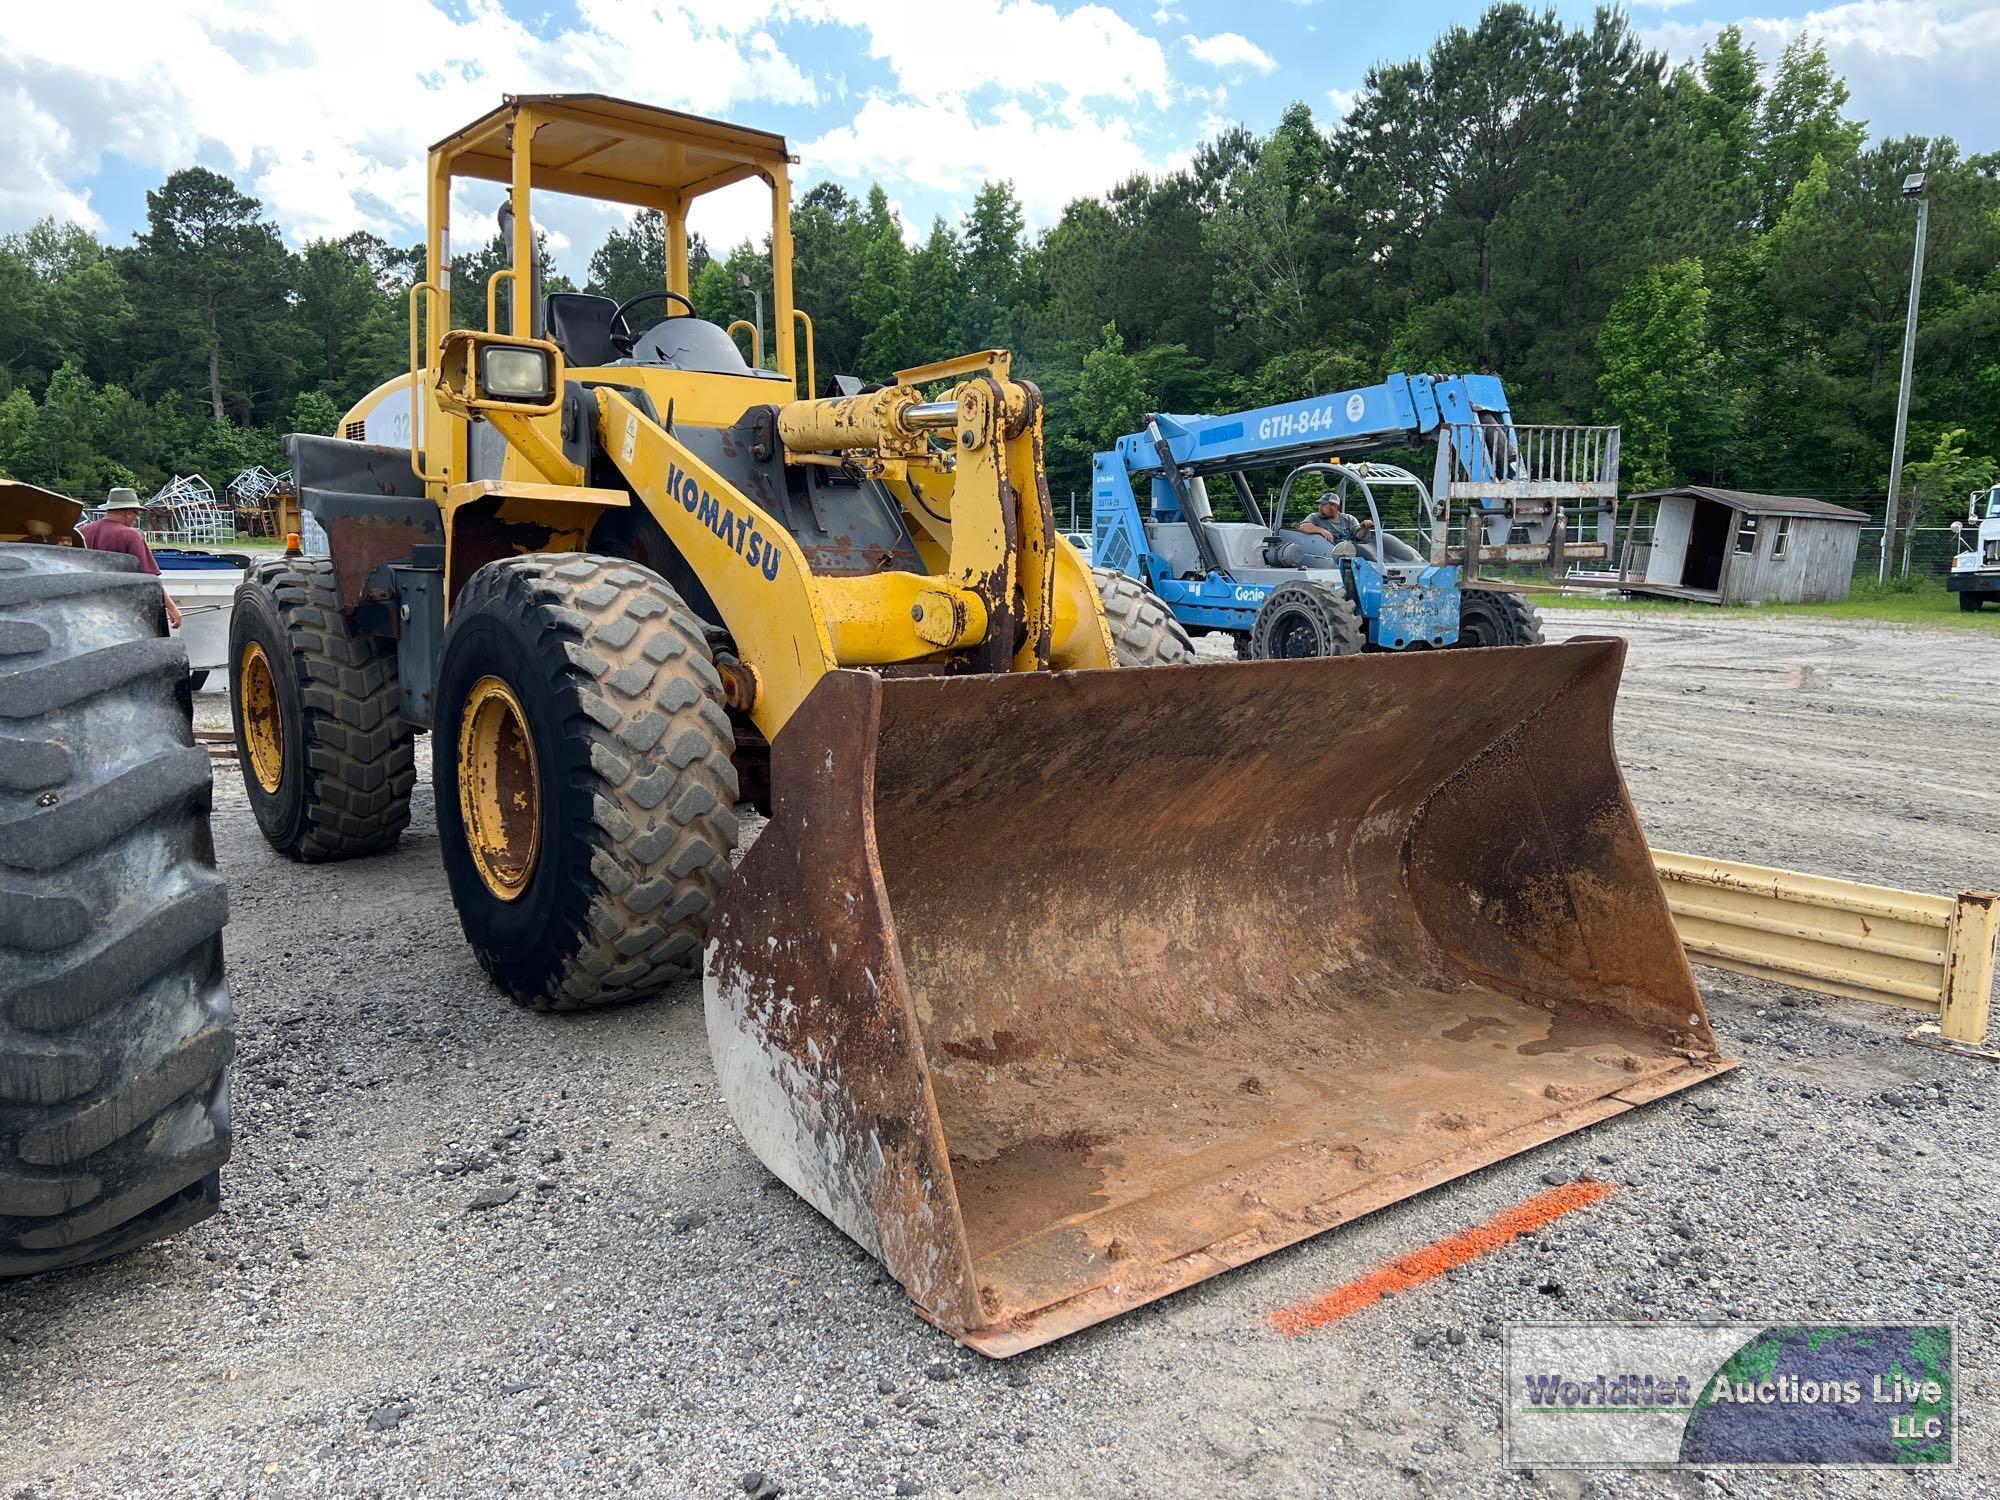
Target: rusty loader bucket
(1060, 992)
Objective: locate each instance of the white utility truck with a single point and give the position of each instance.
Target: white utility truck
(1975, 570)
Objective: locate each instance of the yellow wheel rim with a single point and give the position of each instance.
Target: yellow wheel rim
(499, 792)
(263, 725)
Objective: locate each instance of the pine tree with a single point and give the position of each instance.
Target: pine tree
(1801, 121)
(209, 286)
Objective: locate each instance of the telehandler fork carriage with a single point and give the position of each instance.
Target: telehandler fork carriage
(1058, 988)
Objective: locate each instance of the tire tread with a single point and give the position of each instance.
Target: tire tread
(115, 1026)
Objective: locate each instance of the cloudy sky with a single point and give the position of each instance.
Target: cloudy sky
(324, 110)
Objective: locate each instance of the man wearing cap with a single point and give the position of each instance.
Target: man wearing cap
(119, 532)
(1331, 524)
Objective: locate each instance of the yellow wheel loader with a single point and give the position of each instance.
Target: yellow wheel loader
(1056, 985)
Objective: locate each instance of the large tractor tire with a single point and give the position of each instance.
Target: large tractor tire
(1307, 617)
(1495, 617)
(585, 791)
(115, 1033)
(327, 760)
(1144, 632)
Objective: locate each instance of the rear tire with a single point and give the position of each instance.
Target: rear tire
(326, 758)
(1306, 617)
(115, 1029)
(1493, 617)
(1144, 632)
(581, 740)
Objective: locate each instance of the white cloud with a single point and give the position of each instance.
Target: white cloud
(1231, 51)
(36, 153)
(1915, 67)
(1022, 46)
(1908, 30)
(325, 112)
(951, 147)
(1343, 101)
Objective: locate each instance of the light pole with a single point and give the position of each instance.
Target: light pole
(1913, 187)
(757, 300)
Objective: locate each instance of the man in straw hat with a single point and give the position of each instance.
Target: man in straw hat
(119, 532)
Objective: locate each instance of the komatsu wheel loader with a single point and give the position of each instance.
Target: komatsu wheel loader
(1045, 982)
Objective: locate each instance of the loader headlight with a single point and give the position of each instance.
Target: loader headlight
(512, 372)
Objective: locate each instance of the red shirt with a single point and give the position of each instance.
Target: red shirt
(115, 536)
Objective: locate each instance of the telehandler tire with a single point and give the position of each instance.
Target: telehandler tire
(1496, 617)
(327, 760)
(1306, 617)
(115, 1030)
(1144, 632)
(585, 791)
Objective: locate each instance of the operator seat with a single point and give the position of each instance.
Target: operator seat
(580, 324)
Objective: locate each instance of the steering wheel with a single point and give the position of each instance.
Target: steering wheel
(621, 332)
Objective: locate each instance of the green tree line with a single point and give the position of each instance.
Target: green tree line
(1713, 255)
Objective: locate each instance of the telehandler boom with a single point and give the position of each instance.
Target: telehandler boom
(1037, 983)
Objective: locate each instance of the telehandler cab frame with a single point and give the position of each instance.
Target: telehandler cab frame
(965, 993)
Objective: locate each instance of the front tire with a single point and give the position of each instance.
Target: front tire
(327, 760)
(1306, 617)
(1144, 632)
(1969, 602)
(1494, 617)
(585, 788)
(115, 1028)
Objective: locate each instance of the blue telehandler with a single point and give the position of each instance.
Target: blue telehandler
(1501, 493)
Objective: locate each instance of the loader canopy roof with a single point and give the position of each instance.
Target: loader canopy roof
(594, 146)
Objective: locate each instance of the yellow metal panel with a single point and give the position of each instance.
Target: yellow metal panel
(811, 387)
(1868, 942)
(677, 244)
(612, 148)
(880, 618)
(751, 567)
(1081, 635)
(536, 441)
(781, 273)
(1968, 979)
(522, 252)
(574, 496)
(705, 400)
(996, 362)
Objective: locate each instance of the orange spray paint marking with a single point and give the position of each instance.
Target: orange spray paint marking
(1431, 1262)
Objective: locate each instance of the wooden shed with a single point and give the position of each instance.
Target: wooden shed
(1734, 547)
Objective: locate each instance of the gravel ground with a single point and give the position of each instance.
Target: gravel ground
(468, 1250)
